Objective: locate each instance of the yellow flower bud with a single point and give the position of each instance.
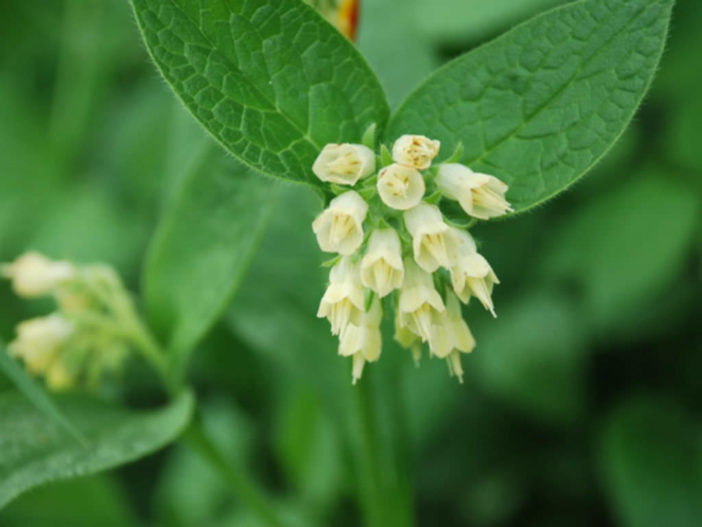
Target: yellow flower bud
(339, 228)
(400, 187)
(415, 151)
(479, 195)
(33, 275)
(381, 267)
(344, 163)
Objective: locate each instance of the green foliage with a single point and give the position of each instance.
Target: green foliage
(272, 81)
(98, 498)
(540, 105)
(197, 260)
(652, 464)
(36, 451)
(599, 294)
(36, 394)
(645, 246)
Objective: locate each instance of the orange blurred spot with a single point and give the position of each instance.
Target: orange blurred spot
(347, 17)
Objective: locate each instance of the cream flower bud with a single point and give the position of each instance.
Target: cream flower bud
(420, 303)
(34, 275)
(339, 228)
(59, 378)
(415, 151)
(471, 274)
(450, 336)
(363, 341)
(343, 301)
(344, 163)
(431, 239)
(38, 341)
(400, 187)
(381, 267)
(480, 195)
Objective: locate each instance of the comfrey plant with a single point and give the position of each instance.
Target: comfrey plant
(395, 246)
(491, 134)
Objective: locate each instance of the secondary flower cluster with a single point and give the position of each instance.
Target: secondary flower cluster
(87, 336)
(397, 250)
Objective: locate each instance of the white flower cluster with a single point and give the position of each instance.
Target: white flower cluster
(392, 237)
(84, 338)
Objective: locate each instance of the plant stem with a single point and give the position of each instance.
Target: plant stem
(243, 487)
(368, 460)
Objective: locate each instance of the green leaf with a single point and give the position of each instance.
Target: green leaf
(627, 246)
(540, 105)
(651, 461)
(203, 247)
(34, 450)
(271, 80)
(463, 20)
(100, 499)
(531, 357)
(36, 394)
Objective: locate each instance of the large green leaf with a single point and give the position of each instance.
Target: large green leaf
(34, 450)
(538, 106)
(203, 246)
(271, 80)
(652, 464)
(627, 247)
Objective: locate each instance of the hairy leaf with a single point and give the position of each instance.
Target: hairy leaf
(538, 106)
(270, 79)
(34, 450)
(203, 246)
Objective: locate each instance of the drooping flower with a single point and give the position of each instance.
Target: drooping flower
(363, 340)
(39, 340)
(450, 336)
(400, 187)
(479, 195)
(339, 228)
(415, 151)
(471, 274)
(33, 275)
(343, 301)
(381, 267)
(344, 163)
(431, 238)
(419, 303)
(407, 339)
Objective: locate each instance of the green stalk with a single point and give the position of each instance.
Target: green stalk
(367, 457)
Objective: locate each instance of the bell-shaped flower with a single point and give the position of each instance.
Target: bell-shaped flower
(420, 304)
(39, 341)
(33, 275)
(343, 301)
(381, 267)
(363, 340)
(344, 163)
(479, 195)
(450, 336)
(431, 238)
(471, 274)
(339, 228)
(415, 151)
(408, 340)
(400, 187)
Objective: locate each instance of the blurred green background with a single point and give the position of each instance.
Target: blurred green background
(581, 404)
